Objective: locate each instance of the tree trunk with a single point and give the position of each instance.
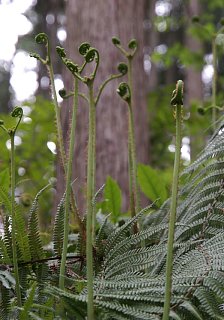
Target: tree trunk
(97, 22)
(193, 81)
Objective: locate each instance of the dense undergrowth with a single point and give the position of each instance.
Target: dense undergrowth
(165, 261)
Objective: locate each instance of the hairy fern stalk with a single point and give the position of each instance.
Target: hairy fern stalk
(122, 289)
(129, 278)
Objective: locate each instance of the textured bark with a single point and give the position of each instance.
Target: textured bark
(96, 21)
(56, 9)
(193, 82)
(153, 40)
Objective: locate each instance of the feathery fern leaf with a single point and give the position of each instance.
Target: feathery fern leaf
(58, 233)
(33, 229)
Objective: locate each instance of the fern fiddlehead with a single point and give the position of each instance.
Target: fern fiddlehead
(177, 103)
(68, 186)
(42, 38)
(133, 181)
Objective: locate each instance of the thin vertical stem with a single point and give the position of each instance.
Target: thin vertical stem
(132, 148)
(60, 140)
(172, 218)
(214, 80)
(58, 120)
(68, 187)
(14, 253)
(90, 205)
(94, 168)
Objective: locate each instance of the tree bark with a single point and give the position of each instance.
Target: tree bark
(193, 81)
(96, 22)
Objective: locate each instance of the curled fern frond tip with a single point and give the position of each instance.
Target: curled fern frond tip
(17, 112)
(124, 91)
(62, 93)
(116, 41)
(195, 19)
(91, 55)
(201, 111)
(26, 200)
(71, 65)
(84, 47)
(122, 68)
(53, 181)
(35, 55)
(61, 51)
(177, 96)
(41, 38)
(132, 44)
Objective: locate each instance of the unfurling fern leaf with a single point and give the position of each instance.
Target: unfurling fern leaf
(130, 282)
(58, 233)
(21, 233)
(35, 244)
(8, 236)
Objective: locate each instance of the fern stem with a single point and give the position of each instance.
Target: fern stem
(214, 80)
(60, 140)
(90, 205)
(172, 218)
(133, 181)
(57, 114)
(68, 187)
(14, 252)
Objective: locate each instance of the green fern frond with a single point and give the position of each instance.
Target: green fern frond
(22, 238)
(58, 233)
(21, 232)
(120, 232)
(5, 200)
(5, 302)
(24, 314)
(24, 272)
(8, 236)
(33, 229)
(4, 256)
(42, 273)
(208, 303)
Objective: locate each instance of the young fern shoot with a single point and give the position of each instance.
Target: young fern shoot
(16, 113)
(177, 103)
(133, 180)
(90, 55)
(42, 38)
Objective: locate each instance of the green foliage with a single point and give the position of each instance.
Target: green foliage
(5, 179)
(121, 273)
(122, 288)
(112, 200)
(34, 161)
(152, 184)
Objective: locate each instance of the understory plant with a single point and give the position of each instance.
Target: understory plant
(169, 268)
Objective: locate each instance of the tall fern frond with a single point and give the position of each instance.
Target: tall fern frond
(58, 233)
(35, 243)
(5, 302)
(8, 236)
(4, 256)
(7, 284)
(21, 233)
(42, 273)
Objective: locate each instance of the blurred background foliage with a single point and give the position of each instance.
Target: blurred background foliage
(176, 48)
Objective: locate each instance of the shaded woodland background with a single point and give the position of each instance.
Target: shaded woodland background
(171, 47)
